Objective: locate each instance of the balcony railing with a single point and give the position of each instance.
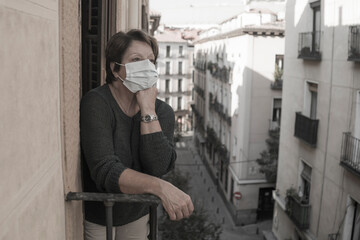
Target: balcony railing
(298, 212)
(354, 44)
(306, 129)
(109, 200)
(274, 125)
(277, 84)
(309, 45)
(350, 153)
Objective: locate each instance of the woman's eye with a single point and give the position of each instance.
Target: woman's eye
(136, 59)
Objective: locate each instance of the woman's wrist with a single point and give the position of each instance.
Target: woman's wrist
(147, 110)
(157, 187)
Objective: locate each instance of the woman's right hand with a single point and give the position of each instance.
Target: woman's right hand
(177, 204)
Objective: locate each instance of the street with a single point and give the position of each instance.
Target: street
(204, 191)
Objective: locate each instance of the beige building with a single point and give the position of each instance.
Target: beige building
(318, 185)
(51, 53)
(175, 67)
(237, 103)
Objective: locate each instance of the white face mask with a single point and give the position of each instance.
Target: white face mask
(140, 75)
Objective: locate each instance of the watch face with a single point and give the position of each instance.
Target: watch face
(147, 118)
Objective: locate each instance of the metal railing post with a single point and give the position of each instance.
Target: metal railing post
(153, 222)
(109, 219)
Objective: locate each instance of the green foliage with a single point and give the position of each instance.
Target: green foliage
(196, 227)
(179, 180)
(268, 160)
(291, 192)
(278, 73)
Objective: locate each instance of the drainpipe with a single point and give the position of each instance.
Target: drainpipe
(327, 130)
(134, 14)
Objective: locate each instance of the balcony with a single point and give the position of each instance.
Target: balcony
(306, 129)
(309, 46)
(274, 126)
(298, 212)
(277, 85)
(354, 44)
(350, 153)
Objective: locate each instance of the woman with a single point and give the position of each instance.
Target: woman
(127, 139)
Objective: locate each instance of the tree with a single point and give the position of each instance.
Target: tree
(196, 227)
(278, 73)
(269, 158)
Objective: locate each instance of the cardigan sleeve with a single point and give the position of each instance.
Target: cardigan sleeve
(157, 151)
(96, 120)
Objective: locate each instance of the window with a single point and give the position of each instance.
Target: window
(180, 85)
(167, 51)
(181, 51)
(234, 147)
(305, 182)
(355, 233)
(316, 16)
(179, 103)
(309, 42)
(279, 61)
(316, 26)
(221, 170)
(276, 115)
(232, 191)
(180, 68)
(167, 68)
(311, 100)
(352, 220)
(226, 179)
(167, 85)
(357, 116)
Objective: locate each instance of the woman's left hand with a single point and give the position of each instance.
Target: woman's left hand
(146, 100)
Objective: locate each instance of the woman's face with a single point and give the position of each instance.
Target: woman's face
(137, 51)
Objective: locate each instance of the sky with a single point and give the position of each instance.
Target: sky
(196, 12)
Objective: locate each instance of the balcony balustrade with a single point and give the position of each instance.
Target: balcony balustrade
(354, 44)
(274, 125)
(350, 153)
(109, 200)
(309, 45)
(306, 129)
(277, 85)
(199, 91)
(298, 212)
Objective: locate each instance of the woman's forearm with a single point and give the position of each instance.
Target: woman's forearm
(176, 203)
(134, 182)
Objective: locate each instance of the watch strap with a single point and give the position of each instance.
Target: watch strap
(149, 118)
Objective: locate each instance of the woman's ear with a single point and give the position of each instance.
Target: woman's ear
(112, 66)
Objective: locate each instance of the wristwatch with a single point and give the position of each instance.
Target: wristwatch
(149, 118)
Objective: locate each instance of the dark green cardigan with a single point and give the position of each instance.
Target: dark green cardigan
(111, 142)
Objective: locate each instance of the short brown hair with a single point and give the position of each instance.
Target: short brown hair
(119, 43)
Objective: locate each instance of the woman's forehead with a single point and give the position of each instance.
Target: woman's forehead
(139, 47)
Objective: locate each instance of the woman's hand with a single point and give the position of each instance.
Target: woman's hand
(146, 100)
(176, 203)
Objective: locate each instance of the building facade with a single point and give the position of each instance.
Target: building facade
(49, 59)
(237, 103)
(318, 184)
(175, 67)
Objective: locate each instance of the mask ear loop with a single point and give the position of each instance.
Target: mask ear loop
(120, 66)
